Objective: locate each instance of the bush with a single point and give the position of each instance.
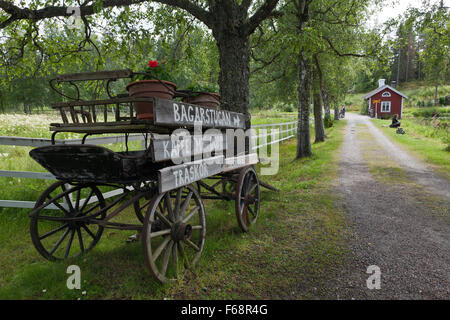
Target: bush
(327, 122)
(288, 108)
(444, 101)
(446, 140)
(365, 110)
(431, 112)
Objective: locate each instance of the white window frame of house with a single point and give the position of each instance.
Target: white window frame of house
(388, 103)
(386, 94)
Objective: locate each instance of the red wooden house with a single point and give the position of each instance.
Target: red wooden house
(385, 101)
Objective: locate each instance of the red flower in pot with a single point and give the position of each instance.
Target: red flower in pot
(156, 82)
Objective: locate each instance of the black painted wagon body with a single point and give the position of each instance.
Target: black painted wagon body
(70, 216)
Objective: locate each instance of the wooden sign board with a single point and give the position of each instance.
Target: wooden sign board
(376, 101)
(183, 174)
(178, 114)
(174, 148)
(240, 161)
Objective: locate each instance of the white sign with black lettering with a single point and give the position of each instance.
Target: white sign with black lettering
(233, 163)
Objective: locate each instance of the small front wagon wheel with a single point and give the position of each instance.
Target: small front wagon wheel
(57, 229)
(247, 198)
(174, 232)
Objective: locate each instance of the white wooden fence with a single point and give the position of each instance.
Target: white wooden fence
(287, 130)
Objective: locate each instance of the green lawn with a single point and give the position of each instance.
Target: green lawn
(272, 116)
(424, 141)
(298, 239)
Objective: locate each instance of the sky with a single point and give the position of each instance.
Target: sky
(394, 8)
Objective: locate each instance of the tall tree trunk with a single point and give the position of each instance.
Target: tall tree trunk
(233, 42)
(304, 98)
(234, 76)
(326, 104)
(323, 89)
(336, 109)
(436, 94)
(407, 64)
(318, 120)
(398, 66)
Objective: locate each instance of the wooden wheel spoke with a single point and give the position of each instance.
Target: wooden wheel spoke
(251, 211)
(252, 188)
(56, 203)
(77, 202)
(163, 218)
(69, 244)
(169, 206)
(86, 201)
(53, 231)
(178, 204)
(185, 204)
(145, 205)
(161, 248)
(191, 244)
(66, 196)
(198, 227)
(160, 206)
(80, 239)
(191, 213)
(160, 233)
(167, 257)
(60, 240)
(175, 259)
(88, 231)
(92, 208)
(187, 265)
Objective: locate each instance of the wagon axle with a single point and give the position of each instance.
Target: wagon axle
(181, 231)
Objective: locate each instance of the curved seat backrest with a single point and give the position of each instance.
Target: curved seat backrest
(100, 75)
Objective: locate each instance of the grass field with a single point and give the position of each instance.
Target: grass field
(423, 140)
(298, 239)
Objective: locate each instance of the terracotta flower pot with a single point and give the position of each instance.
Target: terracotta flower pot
(149, 88)
(206, 99)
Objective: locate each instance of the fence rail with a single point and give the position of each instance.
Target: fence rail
(287, 130)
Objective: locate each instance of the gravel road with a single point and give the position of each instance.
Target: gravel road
(403, 228)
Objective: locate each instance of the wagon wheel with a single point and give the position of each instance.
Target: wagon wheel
(180, 236)
(141, 206)
(57, 239)
(247, 198)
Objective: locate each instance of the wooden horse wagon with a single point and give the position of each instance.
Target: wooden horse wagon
(70, 216)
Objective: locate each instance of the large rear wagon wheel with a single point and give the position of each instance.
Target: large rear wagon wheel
(174, 232)
(141, 206)
(56, 238)
(247, 198)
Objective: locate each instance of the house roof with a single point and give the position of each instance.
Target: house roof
(373, 92)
